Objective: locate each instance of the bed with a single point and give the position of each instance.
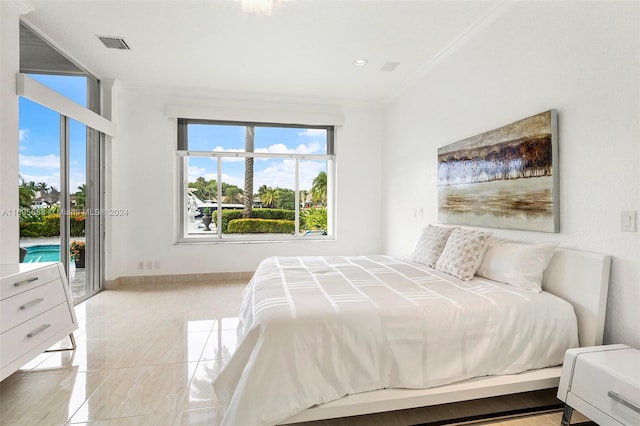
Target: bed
(334, 336)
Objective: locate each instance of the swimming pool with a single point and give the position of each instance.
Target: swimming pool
(43, 253)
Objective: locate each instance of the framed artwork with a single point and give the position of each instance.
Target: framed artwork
(503, 178)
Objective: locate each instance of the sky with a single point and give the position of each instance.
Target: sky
(270, 172)
(40, 146)
(40, 135)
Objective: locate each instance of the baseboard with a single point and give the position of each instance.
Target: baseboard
(154, 280)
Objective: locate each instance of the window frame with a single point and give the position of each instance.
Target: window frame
(183, 154)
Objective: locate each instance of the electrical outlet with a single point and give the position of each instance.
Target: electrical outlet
(141, 265)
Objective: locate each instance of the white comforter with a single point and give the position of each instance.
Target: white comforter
(314, 329)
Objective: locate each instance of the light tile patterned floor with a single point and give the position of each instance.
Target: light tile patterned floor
(145, 356)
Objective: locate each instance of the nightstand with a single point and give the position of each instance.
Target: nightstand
(603, 383)
(36, 311)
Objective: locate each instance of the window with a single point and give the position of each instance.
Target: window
(61, 165)
(245, 181)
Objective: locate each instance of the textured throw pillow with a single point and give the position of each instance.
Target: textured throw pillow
(430, 244)
(518, 264)
(463, 252)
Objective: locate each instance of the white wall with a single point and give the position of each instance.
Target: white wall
(144, 182)
(9, 66)
(583, 60)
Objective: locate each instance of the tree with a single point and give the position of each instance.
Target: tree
(206, 189)
(233, 195)
(81, 196)
(26, 192)
(269, 197)
(248, 171)
(42, 187)
(319, 189)
(286, 199)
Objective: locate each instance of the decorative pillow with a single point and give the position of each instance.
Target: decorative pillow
(518, 264)
(463, 252)
(430, 244)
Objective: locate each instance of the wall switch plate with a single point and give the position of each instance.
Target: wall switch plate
(628, 221)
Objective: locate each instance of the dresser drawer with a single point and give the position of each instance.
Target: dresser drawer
(26, 278)
(26, 305)
(20, 339)
(606, 379)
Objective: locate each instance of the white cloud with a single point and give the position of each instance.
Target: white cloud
(23, 134)
(282, 174)
(233, 180)
(312, 133)
(51, 180)
(280, 148)
(42, 162)
(195, 172)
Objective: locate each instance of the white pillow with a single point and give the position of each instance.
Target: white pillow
(463, 252)
(430, 244)
(518, 264)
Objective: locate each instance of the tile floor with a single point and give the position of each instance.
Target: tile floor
(146, 356)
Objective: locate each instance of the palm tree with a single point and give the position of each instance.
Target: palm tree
(42, 187)
(319, 189)
(269, 197)
(81, 196)
(248, 171)
(26, 193)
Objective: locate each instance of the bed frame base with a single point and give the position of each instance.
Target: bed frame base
(400, 399)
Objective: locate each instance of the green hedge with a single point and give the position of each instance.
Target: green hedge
(278, 214)
(50, 226)
(261, 226)
(35, 229)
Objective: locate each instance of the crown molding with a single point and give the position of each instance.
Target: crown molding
(483, 21)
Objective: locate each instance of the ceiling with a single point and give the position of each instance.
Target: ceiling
(304, 50)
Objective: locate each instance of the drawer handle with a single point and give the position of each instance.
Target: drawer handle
(624, 401)
(25, 282)
(38, 330)
(32, 303)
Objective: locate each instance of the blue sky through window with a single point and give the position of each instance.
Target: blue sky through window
(272, 172)
(40, 135)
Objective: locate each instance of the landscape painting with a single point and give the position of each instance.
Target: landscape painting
(503, 178)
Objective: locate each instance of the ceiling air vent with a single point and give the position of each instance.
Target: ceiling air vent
(114, 42)
(390, 66)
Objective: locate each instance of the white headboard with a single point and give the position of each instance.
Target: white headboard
(582, 279)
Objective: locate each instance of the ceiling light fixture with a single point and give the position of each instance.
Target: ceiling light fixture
(360, 62)
(258, 7)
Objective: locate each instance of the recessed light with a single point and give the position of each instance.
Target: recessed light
(360, 62)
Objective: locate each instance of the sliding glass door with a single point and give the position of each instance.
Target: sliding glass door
(62, 195)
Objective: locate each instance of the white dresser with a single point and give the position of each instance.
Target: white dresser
(36, 311)
(603, 383)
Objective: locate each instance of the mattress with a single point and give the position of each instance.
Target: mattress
(314, 329)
